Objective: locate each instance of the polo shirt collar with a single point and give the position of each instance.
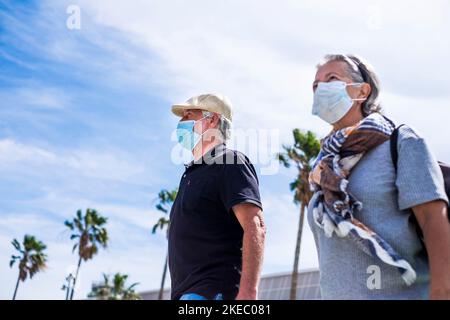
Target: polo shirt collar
(208, 156)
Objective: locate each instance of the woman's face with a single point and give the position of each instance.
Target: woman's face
(336, 71)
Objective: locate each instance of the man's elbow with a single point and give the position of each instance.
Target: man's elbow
(256, 228)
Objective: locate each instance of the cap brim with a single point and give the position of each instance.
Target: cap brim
(177, 109)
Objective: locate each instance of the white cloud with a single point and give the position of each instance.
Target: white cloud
(109, 165)
(35, 96)
(264, 60)
(12, 152)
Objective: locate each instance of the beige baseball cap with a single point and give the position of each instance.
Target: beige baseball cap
(212, 102)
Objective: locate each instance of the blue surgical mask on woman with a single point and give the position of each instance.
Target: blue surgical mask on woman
(186, 135)
(332, 101)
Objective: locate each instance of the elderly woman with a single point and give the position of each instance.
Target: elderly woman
(364, 213)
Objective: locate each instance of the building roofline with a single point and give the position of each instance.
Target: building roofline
(281, 274)
(270, 275)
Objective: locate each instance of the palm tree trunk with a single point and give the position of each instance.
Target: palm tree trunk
(67, 292)
(161, 289)
(17, 287)
(75, 280)
(293, 294)
(68, 288)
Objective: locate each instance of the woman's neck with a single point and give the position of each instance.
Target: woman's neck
(351, 118)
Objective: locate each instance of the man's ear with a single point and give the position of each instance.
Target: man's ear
(213, 124)
(215, 120)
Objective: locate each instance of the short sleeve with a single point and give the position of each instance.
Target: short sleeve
(419, 177)
(240, 183)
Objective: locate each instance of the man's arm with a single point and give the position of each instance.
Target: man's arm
(251, 219)
(432, 218)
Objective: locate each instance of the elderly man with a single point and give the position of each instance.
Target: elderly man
(216, 236)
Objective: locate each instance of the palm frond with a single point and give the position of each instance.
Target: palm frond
(160, 207)
(283, 159)
(13, 260)
(69, 224)
(16, 245)
(165, 201)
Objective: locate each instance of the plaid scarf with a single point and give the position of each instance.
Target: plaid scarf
(333, 206)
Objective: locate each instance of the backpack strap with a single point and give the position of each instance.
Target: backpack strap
(394, 156)
(394, 146)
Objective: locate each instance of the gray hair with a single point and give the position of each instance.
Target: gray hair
(360, 71)
(224, 125)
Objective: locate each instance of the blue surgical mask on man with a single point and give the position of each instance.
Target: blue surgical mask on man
(332, 101)
(186, 135)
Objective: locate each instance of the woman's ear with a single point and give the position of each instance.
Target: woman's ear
(365, 91)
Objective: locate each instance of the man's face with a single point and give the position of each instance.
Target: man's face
(202, 125)
(192, 114)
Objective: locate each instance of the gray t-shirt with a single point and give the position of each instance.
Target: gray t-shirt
(346, 272)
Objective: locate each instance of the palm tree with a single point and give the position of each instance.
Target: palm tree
(32, 258)
(115, 291)
(90, 234)
(305, 149)
(165, 201)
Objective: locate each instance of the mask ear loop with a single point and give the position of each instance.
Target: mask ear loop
(204, 132)
(209, 116)
(193, 128)
(357, 84)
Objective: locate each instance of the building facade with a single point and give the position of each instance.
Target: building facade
(272, 287)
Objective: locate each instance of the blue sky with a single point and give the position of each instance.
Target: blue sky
(85, 114)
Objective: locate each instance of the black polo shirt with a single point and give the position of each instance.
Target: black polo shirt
(205, 237)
